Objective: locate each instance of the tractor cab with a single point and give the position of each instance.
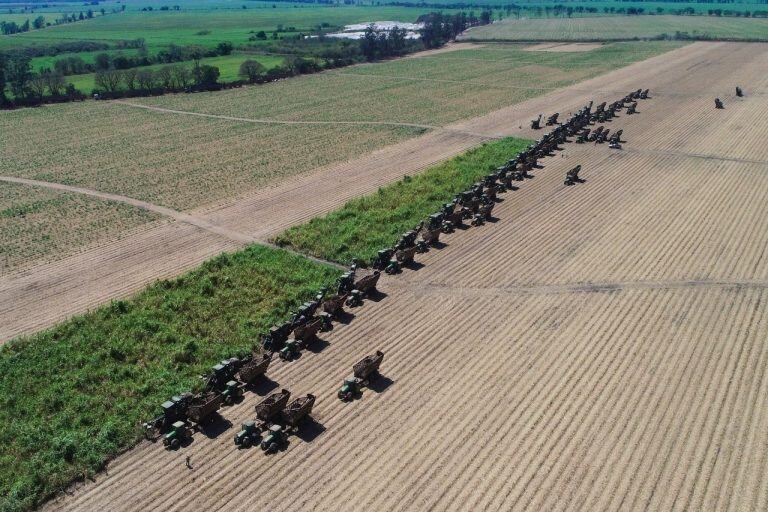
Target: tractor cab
(248, 435)
(232, 391)
(290, 351)
(177, 435)
(349, 389)
(275, 438)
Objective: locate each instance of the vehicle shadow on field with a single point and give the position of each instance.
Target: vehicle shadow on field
(345, 317)
(309, 430)
(262, 386)
(438, 245)
(217, 426)
(380, 384)
(317, 345)
(376, 295)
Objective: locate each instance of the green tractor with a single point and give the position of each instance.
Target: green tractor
(350, 389)
(275, 439)
(233, 391)
(291, 350)
(178, 434)
(249, 435)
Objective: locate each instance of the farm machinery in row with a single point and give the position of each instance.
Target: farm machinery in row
(362, 373)
(276, 419)
(184, 414)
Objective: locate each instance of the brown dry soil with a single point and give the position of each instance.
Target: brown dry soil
(597, 347)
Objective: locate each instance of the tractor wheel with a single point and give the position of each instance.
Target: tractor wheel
(175, 444)
(247, 442)
(229, 400)
(272, 448)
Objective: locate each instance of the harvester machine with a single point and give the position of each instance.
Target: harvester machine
(644, 94)
(172, 411)
(536, 123)
(277, 336)
(430, 230)
(632, 109)
(718, 103)
(739, 92)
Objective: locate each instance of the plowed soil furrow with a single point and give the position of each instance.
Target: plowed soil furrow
(598, 347)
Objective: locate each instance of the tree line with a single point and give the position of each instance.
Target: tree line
(302, 56)
(12, 27)
(75, 65)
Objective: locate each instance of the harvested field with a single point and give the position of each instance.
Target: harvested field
(620, 28)
(598, 347)
(563, 47)
(192, 160)
(37, 225)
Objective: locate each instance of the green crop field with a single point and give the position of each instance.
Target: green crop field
(75, 395)
(620, 28)
(365, 225)
(229, 67)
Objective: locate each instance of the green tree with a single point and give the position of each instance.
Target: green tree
(18, 73)
(251, 70)
(38, 23)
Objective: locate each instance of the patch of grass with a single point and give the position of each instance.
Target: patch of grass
(365, 225)
(73, 396)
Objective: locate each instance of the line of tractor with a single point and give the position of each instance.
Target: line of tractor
(276, 419)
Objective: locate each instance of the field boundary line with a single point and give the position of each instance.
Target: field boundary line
(178, 216)
(320, 123)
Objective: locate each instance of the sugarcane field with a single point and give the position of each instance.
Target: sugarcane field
(286, 258)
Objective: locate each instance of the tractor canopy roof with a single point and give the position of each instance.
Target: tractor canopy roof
(178, 425)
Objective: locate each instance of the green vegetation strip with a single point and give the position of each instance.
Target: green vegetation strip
(365, 225)
(74, 396)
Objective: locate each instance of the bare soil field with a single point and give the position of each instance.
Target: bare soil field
(597, 347)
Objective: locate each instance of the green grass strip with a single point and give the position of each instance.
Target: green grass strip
(73, 396)
(365, 225)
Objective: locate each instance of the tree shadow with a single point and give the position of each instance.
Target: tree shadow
(262, 386)
(309, 429)
(215, 427)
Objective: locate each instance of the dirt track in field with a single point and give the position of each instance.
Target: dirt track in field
(38, 297)
(597, 347)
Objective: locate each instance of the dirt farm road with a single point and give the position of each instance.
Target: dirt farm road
(38, 297)
(597, 347)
